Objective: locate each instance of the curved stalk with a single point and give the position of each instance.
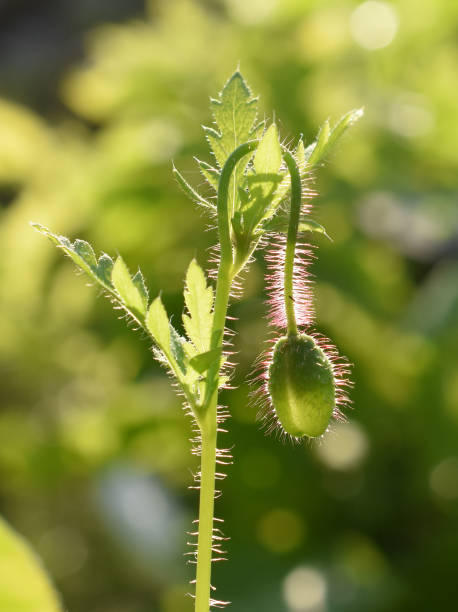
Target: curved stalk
(296, 198)
(208, 413)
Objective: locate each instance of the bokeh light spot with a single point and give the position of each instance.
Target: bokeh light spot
(373, 25)
(344, 448)
(281, 530)
(252, 12)
(444, 479)
(304, 590)
(410, 116)
(64, 549)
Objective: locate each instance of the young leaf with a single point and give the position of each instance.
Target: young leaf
(130, 293)
(317, 149)
(343, 124)
(139, 282)
(190, 191)
(80, 252)
(279, 223)
(267, 162)
(158, 326)
(202, 362)
(86, 252)
(199, 302)
(268, 157)
(210, 174)
(299, 155)
(235, 114)
(327, 138)
(177, 348)
(105, 268)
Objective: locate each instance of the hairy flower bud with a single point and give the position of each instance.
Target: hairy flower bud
(301, 386)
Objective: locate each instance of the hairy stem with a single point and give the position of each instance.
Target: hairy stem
(296, 198)
(207, 417)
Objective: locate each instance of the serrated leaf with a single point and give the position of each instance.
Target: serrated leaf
(129, 295)
(199, 302)
(158, 325)
(125, 287)
(235, 113)
(202, 362)
(80, 252)
(24, 585)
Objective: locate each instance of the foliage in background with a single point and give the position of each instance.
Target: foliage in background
(85, 418)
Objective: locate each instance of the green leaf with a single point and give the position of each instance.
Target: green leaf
(177, 348)
(130, 294)
(199, 302)
(139, 282)
(210, 174)
(128, 291)
(327, 138)
(105, 268)
(279, 223)
(235, 113)
(24, 585)
(268, 156)
(316, 150)
(343, 124)
(86, 252)
(202, 362)
(267, 162)
(299, 155)
(190, 191)
(157, 323)
(174, 348)
(312, 226)
(80, 252)
(262, 188)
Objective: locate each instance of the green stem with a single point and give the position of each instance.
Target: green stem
(207, 416)
(296, 198)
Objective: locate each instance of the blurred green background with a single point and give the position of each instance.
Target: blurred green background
(96, 100)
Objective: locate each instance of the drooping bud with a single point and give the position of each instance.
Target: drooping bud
(301, 385)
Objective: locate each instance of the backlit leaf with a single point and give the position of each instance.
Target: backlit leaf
(158, 326)
(202, 362)
(126, 288)
(268, 157)
(199, 302)
(235, 113)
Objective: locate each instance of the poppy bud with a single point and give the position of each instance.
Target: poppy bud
(301, 385)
